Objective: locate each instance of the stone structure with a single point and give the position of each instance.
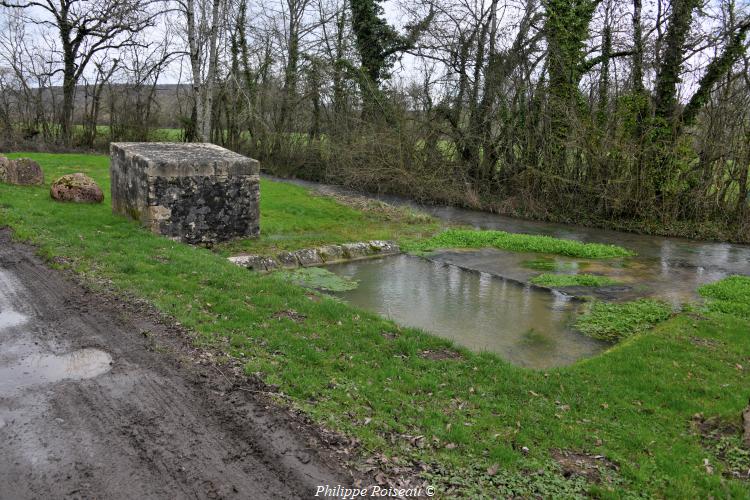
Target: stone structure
(196, 193)
(310, 257)
(78, 188)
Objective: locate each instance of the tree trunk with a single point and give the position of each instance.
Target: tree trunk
(292, 61)
(69, 91)
(671, 61)
(208, 87)
(196, 126)
(637, 75)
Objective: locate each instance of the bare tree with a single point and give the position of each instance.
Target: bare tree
(86, 28)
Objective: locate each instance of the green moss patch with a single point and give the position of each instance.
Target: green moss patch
(547, 264)
(515, 242)
(614, 321)
(319, 279)
(562, 280)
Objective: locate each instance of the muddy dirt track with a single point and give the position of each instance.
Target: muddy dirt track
(101, 399)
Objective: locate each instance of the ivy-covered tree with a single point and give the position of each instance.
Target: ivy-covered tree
(378, 44)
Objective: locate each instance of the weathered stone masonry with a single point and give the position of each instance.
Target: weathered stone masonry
(196, 193)
(310, 257)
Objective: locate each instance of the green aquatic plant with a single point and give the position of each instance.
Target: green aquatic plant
(533, 337)
(730, 295)
(515, 242)
(547, 264)
(615, 321)
(319, 279)
(561, 280)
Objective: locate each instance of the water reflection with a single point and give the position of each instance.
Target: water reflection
(484, 313)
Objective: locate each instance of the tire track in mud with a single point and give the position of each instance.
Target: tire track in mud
(157, 425)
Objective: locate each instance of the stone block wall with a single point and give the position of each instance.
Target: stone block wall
(196, 193)
(311, 257)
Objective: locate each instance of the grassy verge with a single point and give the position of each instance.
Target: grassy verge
(475, 424)
(464, 238)
(291, 218)
(561, 280)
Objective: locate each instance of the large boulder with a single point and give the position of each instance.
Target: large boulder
(23, 172)
(78, 188)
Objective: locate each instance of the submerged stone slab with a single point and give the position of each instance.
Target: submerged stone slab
(196, 193)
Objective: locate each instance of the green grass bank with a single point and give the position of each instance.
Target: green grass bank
(477, 425)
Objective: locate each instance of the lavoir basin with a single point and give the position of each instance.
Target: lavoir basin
(523, 324)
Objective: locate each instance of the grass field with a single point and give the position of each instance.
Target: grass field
(475, 424)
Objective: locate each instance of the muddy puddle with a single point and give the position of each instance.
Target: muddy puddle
(41, 369)
(527, 326)
(10, 319)
(26, 363)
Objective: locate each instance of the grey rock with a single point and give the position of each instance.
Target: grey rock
(356, 250)
(331, 253)
(196, 193)
(384, 247)
(287, 260)
(308, 257)
(253, 262)
(269, 263)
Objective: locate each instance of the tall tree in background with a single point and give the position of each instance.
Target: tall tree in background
(202, 18)
(378, 43)
(670, 116)
(84, 29)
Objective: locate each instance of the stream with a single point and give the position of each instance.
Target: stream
(479, 298)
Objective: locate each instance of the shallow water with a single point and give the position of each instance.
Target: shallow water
(664, 256)
(40, 369)
(522, 324)
(10, 318)
(527, 326)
